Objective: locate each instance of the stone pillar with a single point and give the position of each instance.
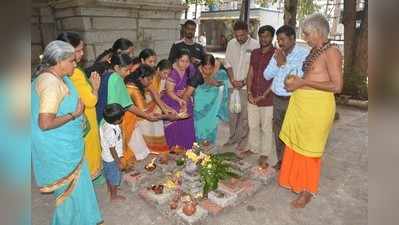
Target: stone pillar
(43, 28)
(148, 23)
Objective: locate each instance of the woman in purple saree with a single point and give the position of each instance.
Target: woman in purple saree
(180, 132)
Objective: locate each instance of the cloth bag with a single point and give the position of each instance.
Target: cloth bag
(235, 102)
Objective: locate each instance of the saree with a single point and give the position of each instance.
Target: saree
(58, 157)
(180, 132)
(92, 139)
(210, 107)
(148, 136)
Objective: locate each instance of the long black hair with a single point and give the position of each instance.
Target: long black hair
(122, 44)
(72, 38)
(164, 64)
(146, 53)
(122, 60)
(141, 72)
(208, 60)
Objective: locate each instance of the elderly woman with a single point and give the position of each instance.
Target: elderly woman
(310, 112)
(57, 138)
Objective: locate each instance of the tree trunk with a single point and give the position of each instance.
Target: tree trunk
(290, 11)
(355, 50)
(349, 21)
(244, 12)
(360, 62)
(186, 11)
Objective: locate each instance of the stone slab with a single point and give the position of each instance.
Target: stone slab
(212, 208)
(266, 177)
(134, 180)
(157, 199)
(226, 200)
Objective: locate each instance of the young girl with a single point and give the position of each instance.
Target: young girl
(112, 148)
(163, 69)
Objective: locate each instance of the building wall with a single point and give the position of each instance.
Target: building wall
(149, 24)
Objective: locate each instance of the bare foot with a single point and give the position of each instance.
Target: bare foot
(303, 199)
(118, 198)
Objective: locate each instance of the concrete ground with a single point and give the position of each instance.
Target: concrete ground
(342, 199)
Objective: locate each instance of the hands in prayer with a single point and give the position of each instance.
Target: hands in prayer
(95, 80)
(281, 58)
(238, 84)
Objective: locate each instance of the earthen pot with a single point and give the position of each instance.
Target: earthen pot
(177, 150)
(158, 189)
(164, 158)
(262, 162)
(189, 208)
(173, 204)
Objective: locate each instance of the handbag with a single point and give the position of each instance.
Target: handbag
(235, 102)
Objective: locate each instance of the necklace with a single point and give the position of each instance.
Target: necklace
(314, 54)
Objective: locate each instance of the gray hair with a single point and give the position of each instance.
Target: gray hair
(54, 52)
(316, 23)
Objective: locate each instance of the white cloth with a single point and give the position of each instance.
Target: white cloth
(238, 57)
(111, 136)
(261, 137)
(138, 145)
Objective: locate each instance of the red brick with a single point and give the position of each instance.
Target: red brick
(211, 207)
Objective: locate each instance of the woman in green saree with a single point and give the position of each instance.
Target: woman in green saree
(210, 100)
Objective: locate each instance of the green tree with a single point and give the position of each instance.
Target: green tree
(295, 9)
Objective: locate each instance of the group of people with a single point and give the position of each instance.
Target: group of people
(99, 120)
(287, 99)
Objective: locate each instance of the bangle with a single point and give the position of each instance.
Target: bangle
(71, 116)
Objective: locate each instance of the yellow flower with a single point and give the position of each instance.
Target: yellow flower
(169, 184)
(178, 174)
(192, 156)
(206, 159)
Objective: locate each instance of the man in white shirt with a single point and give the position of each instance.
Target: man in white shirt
(238, 54)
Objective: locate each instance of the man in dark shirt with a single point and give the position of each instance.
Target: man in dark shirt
(260, 97)
(196, 50)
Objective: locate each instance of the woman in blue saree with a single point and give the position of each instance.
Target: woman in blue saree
(210, 99)
(57, 139)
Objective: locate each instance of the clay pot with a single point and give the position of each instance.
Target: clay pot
(189, 208)
(177, 149)
(262, 162)
(157, 189)
(150, 167)
(173, 205)
(205, 143)
(164, 158)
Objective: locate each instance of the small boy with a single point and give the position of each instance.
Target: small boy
(112, 148)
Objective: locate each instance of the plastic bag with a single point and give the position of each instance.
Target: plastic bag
(235, 102)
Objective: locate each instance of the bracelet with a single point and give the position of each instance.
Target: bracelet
(73, 118)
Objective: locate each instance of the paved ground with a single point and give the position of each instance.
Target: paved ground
(342, 200)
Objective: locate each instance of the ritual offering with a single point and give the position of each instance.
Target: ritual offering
(151, 166)
(157, 189)
(189, 207)
(262, 162)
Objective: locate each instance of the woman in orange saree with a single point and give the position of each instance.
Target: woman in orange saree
(142, 136)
